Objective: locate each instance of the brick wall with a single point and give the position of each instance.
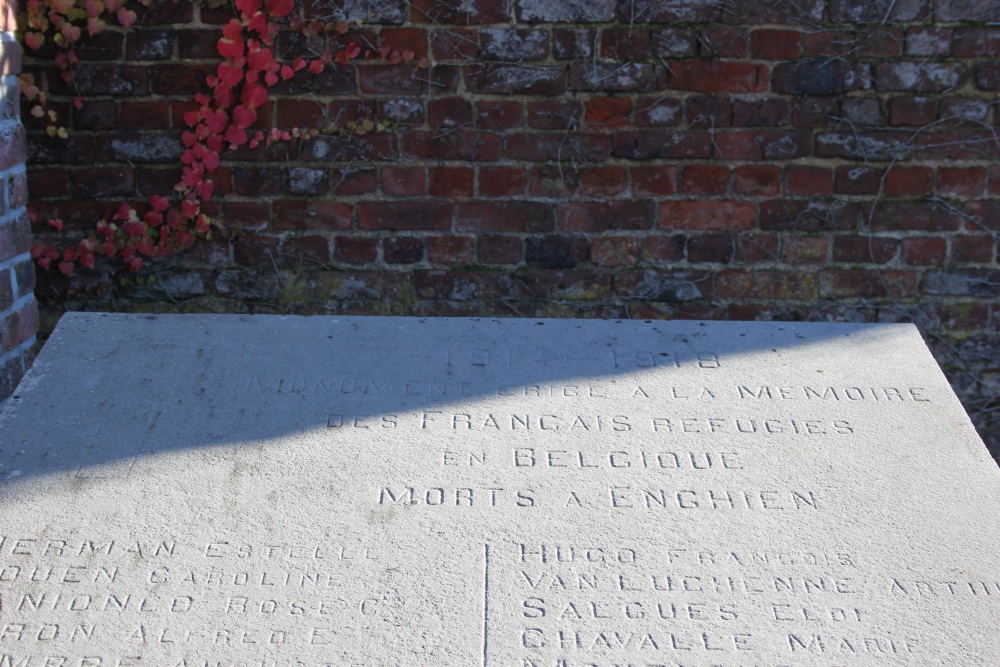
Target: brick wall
(759, 159)
(18, 310)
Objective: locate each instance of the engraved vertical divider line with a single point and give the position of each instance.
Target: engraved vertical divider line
(486, 601)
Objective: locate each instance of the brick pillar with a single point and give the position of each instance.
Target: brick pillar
(18, 310)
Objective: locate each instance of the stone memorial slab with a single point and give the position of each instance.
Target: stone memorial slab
(230, 491)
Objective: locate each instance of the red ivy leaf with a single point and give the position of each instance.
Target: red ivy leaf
(243, 117)
(248, 7)
(279, 8)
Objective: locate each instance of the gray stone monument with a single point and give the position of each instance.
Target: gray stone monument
(225, 491)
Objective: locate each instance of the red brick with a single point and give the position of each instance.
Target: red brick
(348, 182)
(912, 111)
(826, 43)
(102, 181)
(454, 44)
(805, 249)
(499, 249)
(711, 76)
(450, 250)
(451, 182)
(306, 250)
(925, 251)
(664, 249)
(707, 215)
(711, 111)
(403, 181)
(809, 181)
(713, 248)
(432, 215)
(765, 285)
(604, 113)
(553, 181)
(13, 147)
(705, 179)
(555, 114)
(808, 215)
(506, 216)
(757, 180)
(658, 112)
(994, 181)
(614, 251)
(355, 250)
(499, 115)
(654, 180)
(776, 44)
(624, 43)
(977, 42)
(756, 248)
(253, 250)
(145, 115)
(259, 181)
(914, 216)
(864, 249)
(908, 181)
(603, 216)
(564, 147)
(961, 182)
(603, 181)
(403, 250)
(330, 215)
(449, 112)
(501, 181)
(858, 180)
(971, 249)
(46, 183)
(405, 39)
(867, 283)
(724, 42)
(251, 215)
(661, 144)
(454, 145)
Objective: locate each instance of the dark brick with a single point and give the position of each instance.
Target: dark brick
(876, 11)
(819, 76)
(150, 44)
(555, 252)
(566, 11)
(505, 216)
(515, 45)
(404, 215)
(403, 250)
(604, 216)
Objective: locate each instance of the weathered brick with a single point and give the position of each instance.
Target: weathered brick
(876, 11)
(432, 215)
(499, 249)
(620, 77)
(562, 147)
(461, 285)
(499, 115)
(927, 251)
(605, 216)
(661, 145)
(453, 145)
(848, 283)
(967, 282)
(150, 44)
(720, 42)
(819, 76)
(711, 111)
(711, 248)
(449, 112)
(307, 181)
(511, 44)
(812, 215)
(614, 251)
(708, 214)
(972, 249)
(459, 12)
(658, 112)
(555, 181)
(323, 214)
(805, 250)
(920, 77)
(255, 249)
(767, 112)
(674, 43)
(865, 249)
(932, 41)
(858, 180)
(403, 181)
(661, 249)
(556, 252)
(670, 11)
(968, 10)
(914, 216)
(502, 79)
(450, 250)
(757, 180)
(504, 216)
(307, 251)
(403, 250)
(603, 181)
(555, 114)
(355, 250)
(566, 11)
(654, 180)
(765, 285)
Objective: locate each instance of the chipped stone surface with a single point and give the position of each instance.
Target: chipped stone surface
(252, 490)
